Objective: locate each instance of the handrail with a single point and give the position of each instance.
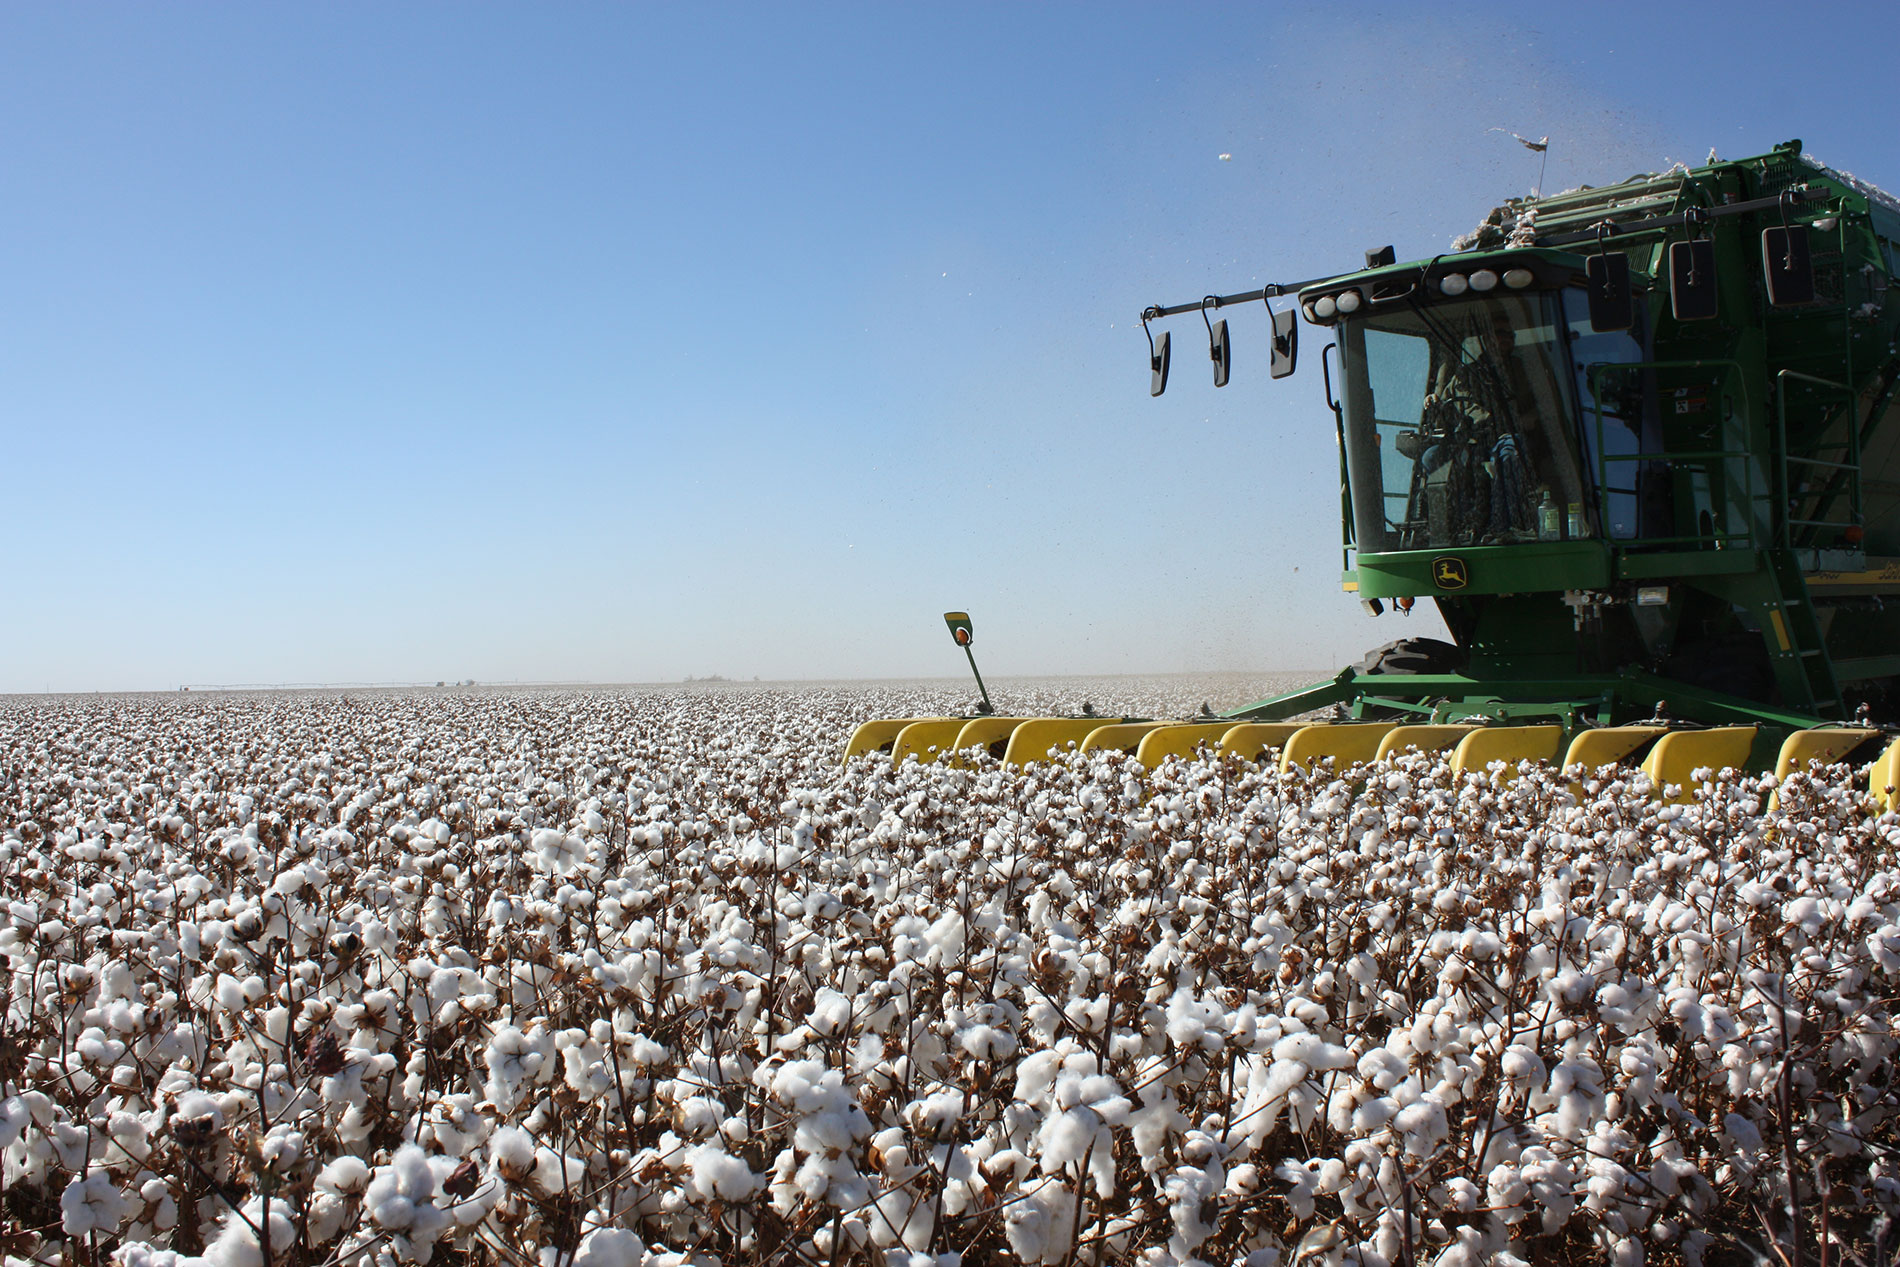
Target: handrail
(1719, 540)
(1784, 499)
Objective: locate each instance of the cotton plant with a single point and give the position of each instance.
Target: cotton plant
(640, 978)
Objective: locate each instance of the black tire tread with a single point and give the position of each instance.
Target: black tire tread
(1411, 656)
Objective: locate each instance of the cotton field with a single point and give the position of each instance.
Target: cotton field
(620, 978)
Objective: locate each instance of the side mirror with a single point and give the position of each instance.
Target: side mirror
(1788, 266)
(1286, 342)
(1158, 365)
(1220, 351)
(1692, 279)
(1609, 278)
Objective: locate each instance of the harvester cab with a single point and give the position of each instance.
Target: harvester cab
(1639, 446)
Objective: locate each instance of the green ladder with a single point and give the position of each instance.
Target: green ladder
(1796, 648)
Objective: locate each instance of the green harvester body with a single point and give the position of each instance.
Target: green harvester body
(1640, 445)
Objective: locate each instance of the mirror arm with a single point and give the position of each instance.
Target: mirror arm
(1272, 290)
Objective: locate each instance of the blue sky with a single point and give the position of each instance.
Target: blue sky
(387, 343)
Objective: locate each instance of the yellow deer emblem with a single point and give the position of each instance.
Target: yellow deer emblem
(1449, 573)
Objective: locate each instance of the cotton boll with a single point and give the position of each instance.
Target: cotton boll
(1074, 1136)
(1382, 1068)
(514, 1059)
(230, 994)
(511, 1155)
(1311, 1051)
(901, 1217)
(556, 852)
(1194, 1207)
(400, 1196)
(1466, 1250)
(14, 1117)
(456, 1125)
(1035, 1075)
(1373, 1115)
(1743, 1139)
(697, 1116)
(1570, 986)
(1461, 1194)
(557, 1172)
(1283, 1076)
(1522, 1068)
(238, 1244)
(986, 1042)
(716, 1173)
(1505, 1189)
(830, 1013)
(946, 938)
(1626, 1251)
(610, 1247)
(1037, 1224)
(93, 1202)
(934, 1114)
(1304, 1178)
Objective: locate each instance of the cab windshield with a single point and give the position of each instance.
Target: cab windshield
(1459, 425)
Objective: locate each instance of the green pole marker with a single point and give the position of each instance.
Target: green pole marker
(962, 633)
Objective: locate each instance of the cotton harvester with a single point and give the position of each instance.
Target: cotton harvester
(1640, 446)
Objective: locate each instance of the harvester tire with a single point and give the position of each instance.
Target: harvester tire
(1411, 656)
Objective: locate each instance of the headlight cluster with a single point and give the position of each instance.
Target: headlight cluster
(1483, 280)
(1326, 307)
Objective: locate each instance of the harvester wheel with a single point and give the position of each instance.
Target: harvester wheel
(1414, 656)
(1409, 657)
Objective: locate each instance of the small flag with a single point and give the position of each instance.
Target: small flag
(1538, 146)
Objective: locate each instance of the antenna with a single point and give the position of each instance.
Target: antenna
(1541, 146)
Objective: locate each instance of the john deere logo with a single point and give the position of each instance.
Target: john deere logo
(1449, 574)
